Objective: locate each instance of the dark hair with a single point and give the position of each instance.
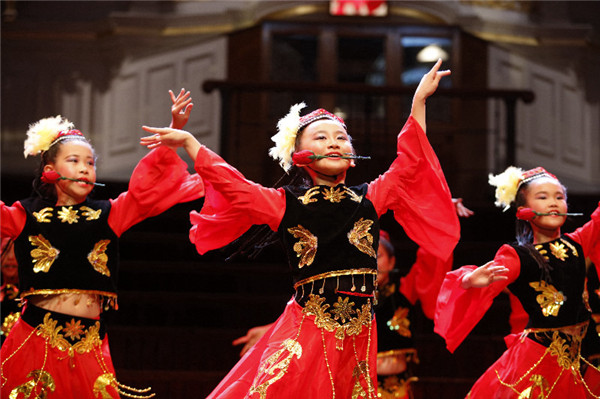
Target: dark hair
(524, 233)
(45, 190)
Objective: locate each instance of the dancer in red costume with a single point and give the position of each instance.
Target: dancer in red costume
(324, 344)
(66, 244)
(546, 271)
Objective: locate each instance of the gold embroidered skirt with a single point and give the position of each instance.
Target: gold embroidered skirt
(54, 355)
(317, 351)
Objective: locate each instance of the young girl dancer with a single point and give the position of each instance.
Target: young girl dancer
(324, 344)
(67, 247)
(546, 271)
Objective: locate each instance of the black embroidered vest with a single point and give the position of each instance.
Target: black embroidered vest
(67, 249)
(326, 229)
(555, 298)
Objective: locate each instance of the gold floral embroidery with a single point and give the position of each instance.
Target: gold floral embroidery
(342, 309)
(51, 331)
(334, 195)
(73, 329)
(540, 383)
(39, 384)
(103, 381)
(9, 322)
(361, 369)
(567, 353)
(325, 319)
(277, 366)
(400, 322)
(44, 255)
(98, 257)
(306, 247)
(360, 237)
(68, 215)
(558, 250)
(550, 299)
(353, 196)
(307, 198)
(90, 213)
(44, 215)
(571, 246)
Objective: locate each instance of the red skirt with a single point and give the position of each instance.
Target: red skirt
(529, 369)
(58, 356)
(297, 358)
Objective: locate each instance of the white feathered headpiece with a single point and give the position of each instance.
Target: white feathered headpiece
(45, 132)
(285, 138)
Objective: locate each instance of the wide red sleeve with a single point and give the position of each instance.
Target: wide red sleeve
(159, 181)
(459, 310)
(12, 219)
(415, 189)
(232, 204)
(423, 281)
(588, 236)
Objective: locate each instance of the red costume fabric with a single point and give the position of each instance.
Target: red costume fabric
(306, 353)
(554, 371)
(60, 356)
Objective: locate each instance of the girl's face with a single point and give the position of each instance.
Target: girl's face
(385, 264)
(326, 137)
(75, 160)
(546, 195)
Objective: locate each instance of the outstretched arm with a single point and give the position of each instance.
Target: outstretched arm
(427, 86)
(170, 137)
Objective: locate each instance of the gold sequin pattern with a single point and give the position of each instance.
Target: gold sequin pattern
(88, 339)
(550, 299)
(361, 238)
(43, 255)
(68, 215)
(306, 247)
(98, 258)
(40, 383)
(343, 319)
(90, 214)
(43, 215)
(558, 250)
(277, 365)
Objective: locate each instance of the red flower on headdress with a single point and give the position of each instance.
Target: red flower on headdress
(526, 214)
(51, 177)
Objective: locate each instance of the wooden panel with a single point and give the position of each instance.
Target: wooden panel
(572, 132)
(543, 139)
(124, 100)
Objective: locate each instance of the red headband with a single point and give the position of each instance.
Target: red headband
(317, 115)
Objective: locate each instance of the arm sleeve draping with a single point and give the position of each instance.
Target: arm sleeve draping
(232, 204)
(423, 281)
(588, 236)
(159, 181)
(415, 189)
(12, 219)
(459, 310)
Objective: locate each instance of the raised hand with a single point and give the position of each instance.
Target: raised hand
(484, 276)
(461, 210)
(181, 108)
(427, 86)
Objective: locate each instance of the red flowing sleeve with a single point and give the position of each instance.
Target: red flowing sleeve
(423, 281)
(159, 181)
(588, 236)
(12, 219)
(415, 189)
(458, 310)
(232, 204)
